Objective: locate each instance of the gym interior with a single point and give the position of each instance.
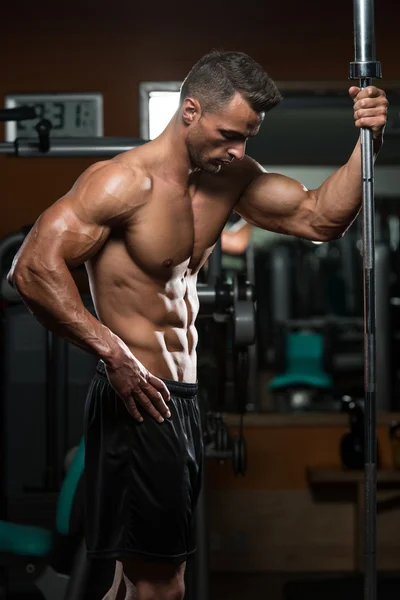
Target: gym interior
(281, 323)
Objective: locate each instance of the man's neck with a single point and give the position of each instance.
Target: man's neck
(173, 155)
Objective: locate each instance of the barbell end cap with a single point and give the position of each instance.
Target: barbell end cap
(365, 70)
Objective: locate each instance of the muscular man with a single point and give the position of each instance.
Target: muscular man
(144, 223)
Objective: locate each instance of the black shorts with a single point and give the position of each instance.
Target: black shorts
(142, 480)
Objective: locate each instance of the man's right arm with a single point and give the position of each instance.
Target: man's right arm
(65, 236)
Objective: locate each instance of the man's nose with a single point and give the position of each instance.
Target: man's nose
(238, 150)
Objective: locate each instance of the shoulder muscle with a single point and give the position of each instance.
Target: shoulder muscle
(75, 227)
(105, 194)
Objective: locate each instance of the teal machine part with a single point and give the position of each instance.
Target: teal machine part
(304, 363)
(26, 540)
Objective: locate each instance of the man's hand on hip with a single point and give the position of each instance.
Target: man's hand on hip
(137, 387)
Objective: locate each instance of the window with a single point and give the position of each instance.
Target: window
(158, 102)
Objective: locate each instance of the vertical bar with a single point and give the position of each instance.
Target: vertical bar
(382, 307)
(364, 68)
(370, 582)
(364, 31)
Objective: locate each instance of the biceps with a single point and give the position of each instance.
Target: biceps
(277, 203)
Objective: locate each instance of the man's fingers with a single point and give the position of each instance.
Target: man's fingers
(160, 386)
(379, 102)
(370, 112)
(353, 91)
(369, 92)
(370, 122)
(157, 399)
(144, 400)
(132, 409)
(370, 108)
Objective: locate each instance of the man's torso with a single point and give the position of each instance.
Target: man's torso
(143, 280)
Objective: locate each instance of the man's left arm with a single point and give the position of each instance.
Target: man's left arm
(279, 203)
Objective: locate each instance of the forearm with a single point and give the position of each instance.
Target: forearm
(339, 198)
(236, 239)
(53, 298)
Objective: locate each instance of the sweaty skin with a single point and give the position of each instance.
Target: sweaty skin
(146, 221)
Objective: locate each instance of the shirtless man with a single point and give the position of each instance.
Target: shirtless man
(144, 223)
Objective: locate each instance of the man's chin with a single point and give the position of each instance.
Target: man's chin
(211, 167)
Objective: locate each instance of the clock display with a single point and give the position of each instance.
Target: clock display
(71, 115)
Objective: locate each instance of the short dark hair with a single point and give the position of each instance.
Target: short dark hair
(218, 75)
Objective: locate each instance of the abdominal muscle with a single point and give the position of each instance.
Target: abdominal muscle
(154, 318)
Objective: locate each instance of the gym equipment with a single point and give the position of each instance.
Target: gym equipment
(234, 300)
(234, 305)
(384, 386)
(219, 445)
(253, 403)
(9, 245)
(345, 328)
(304, 357)
(106, 147)
(303, 360)
(365, 67)
(352, 447)
(230, 306)
(53, 560)
(352, 443)
(226, 301)
(59, 147)
(56, 577)
(239, 455)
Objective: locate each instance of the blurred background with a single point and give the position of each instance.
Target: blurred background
(282, 506)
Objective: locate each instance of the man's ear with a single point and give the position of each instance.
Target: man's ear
(190, 110)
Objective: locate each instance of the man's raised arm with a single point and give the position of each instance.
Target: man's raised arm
(282, 204)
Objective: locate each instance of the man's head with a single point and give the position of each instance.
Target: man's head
(223, 101)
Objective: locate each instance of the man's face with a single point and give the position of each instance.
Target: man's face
(215, 139)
